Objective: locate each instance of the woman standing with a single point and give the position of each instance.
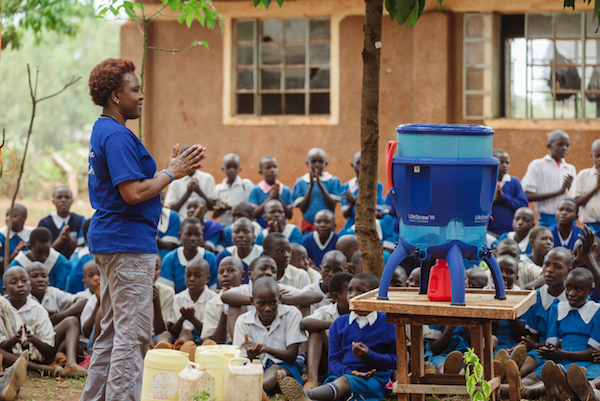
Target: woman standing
(124, 189)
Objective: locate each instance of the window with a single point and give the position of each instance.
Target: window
(281, 67)
(552, 70)
(477, 66)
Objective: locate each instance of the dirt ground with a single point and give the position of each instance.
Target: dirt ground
(38, 388)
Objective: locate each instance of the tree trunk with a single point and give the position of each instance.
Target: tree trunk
(69, 171)
(368, 240)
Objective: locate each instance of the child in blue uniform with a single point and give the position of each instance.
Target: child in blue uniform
(565, 233)
(573, 334)
(212, 231)
(244, 247)
(268, 189)
(64, 225)
(350, 193)
(362, 354)
(523, 222)
(275, 217)
(316, 190)
(168, 229)
(323, 239)
(242, 209)
(19, 233)
(172, 272)
(40, 250)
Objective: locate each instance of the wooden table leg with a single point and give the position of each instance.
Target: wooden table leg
(401, 355)
(417, 367)
(488, 354)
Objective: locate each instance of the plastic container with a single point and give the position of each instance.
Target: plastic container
(194, 378)
(243, 380)
(215, 358)
(440, 286)
(161, 367)
(455, 141)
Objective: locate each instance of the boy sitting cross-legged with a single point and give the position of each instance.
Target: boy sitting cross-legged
(271, 332)
(362, 354)
(317, 324)
(35, 331)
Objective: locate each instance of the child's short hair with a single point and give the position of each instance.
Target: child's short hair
(556, 134)
(258, 260)
(583, 274)
(528, 211)
(201, 263)
(233, 156)
(37, 265)
(17, 207)
(498, 152)
(265, 283)
(237, 262)
(328, 212)
(40, 234)
(245, 207)
(573, 202)
(188, 220)
(61, 188)
(92, 263)
(536, 232)
(564, 252)
(264, 159)
(271, 239)
(370, 279)
(338, 281)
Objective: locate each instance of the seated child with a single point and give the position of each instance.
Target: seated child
(348, 245)
(565, 233)
(64, 225)
(509, 196)
(167, 237)
(356, 264)
(90, 315)
(350, 194)
(333, 262)
(19, 233)
(300, 260)
(91, 276)
(268, 189)
(277, 246)
(230, 275)
(276, 223)
(79, 258)
(244, 247)
(523, 222)
(212, 232)
(586, 253)
(414, 277)
(271, 332)
(557, 265)
(172, 272)
(399, 279)
(162, 302)
(476, 278)
(59, 304)
(317, 324)
(573, 334)
(239, 298)
(362, 354)
(35, 331)
(323, 239)
(40, 250)
(541, 241)
(309, 199)
(529, 275)
(443, 343)
(185, 321)
(232, 190)
(585, 191)
(242, 209)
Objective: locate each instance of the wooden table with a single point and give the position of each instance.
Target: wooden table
(406, 306)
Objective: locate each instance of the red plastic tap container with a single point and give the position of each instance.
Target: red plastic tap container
(440, 287)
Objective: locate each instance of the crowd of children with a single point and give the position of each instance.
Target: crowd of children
(232, 269)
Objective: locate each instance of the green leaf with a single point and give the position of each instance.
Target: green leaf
(174, 5)
(478, 371)
(257, 3)
(128, 6)
(487, 390)
(440, 2)
(478, 397)
(596, 12)
(266, 3)
(189, 19)
(471, 385)
(280, 2)
(390, 7)
(569, 3)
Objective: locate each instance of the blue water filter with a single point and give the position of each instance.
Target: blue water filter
(442, 181)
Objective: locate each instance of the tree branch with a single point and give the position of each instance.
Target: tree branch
(194, 44)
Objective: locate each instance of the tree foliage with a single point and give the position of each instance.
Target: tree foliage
(40, 17)
(571, 4)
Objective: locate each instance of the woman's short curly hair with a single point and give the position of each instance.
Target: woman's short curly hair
(107, 77)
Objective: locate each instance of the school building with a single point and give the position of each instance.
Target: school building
(284, 80)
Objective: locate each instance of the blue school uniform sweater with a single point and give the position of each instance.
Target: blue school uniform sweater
(213, 233)
(503, 211)
(331, 183)
(260, 193)
(58, 267)
(380, 337)
(75, 280)
(15, 240)
(172, 272)
(168, 229)
(352, 187)
(291, 232)
(75, 224)
(570, 243)
(315, 249)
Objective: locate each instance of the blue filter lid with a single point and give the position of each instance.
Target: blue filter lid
(445, 129)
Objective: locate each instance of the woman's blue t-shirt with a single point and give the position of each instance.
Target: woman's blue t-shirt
(117, 155)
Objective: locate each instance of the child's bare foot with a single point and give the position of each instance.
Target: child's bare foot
(309, 384)
(513, 378)
(189, 348)
(177, 345)
(579, 384)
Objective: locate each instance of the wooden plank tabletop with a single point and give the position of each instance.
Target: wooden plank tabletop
(480, 304)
